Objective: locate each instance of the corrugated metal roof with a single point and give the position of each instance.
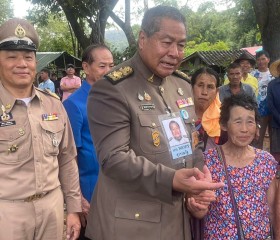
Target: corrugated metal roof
(217, 58)
(60, 59)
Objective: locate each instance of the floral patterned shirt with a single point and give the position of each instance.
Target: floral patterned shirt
(250, 185)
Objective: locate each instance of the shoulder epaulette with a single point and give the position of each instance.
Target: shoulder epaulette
(182, 75)
(49, 92)
(119, 74)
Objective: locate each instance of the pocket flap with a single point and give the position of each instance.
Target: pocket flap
(149, 120)
(10, 135)
(52, 126)
(138, 210)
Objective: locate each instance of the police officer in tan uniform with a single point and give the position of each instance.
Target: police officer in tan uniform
(141, 186)
(37, 150)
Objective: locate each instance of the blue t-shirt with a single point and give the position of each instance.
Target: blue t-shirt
(48, 84)
(76, 107)
(263, 80)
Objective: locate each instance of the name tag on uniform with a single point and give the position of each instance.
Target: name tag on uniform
(7, 123)
(147, 107)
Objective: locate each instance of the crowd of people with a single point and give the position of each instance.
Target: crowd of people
(137, 150)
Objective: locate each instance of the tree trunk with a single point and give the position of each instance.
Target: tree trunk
(267, 16)
(125, 25)
(79, 32)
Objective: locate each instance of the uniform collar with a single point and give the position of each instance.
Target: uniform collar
(146, 73)
(8, 100)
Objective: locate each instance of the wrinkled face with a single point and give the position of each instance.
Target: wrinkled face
(103, 62)
(164, 50)
(17, 69)
(234, 76)
(263, 62)
(204, 90)
(44, 76)
(246, 66)
(176, 131)
(241, 127)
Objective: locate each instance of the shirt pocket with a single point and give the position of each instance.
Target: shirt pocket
(14, 147)
(52, 132)
(151, 138)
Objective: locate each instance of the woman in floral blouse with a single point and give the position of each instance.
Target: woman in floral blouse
(251, 173)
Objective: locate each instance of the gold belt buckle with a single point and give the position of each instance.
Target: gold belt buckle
(35, 197)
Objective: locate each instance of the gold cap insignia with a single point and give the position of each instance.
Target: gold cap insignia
(19, 31)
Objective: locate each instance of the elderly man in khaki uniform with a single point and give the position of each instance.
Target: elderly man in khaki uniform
(141, 186)
(37, 150)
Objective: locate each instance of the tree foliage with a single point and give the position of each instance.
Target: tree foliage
(55, 36)
(208, 28)
(87, 18)
(6, 10)
(205, 46)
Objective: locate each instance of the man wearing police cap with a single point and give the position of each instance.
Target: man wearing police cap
(37, 163)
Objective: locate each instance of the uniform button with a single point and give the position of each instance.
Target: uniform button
(137, 215)
(13, 148)
(21, 132)
(153, 125)
(161, 89)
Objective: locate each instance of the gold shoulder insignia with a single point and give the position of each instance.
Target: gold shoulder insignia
(182, 75)
(119, 74)
(49, 92)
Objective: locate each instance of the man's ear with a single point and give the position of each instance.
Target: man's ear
(85, 67)
(141, 39)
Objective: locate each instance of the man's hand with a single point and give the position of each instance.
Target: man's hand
(84, 213)
(193, 181)
(73, 226)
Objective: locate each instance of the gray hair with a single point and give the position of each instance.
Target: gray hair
(153, 16)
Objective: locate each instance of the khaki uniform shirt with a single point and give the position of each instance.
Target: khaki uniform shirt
(36, 156)
(133, 198)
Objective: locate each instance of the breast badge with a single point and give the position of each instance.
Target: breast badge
(180, 91)
(156, 138)
(49, 116)
(5, 118)
(184, 114)
(140, 97)
(185, 102)
(147, 97)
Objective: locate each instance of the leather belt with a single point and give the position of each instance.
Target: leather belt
(36, 196)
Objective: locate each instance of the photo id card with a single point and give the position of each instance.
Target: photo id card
(178, 139)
